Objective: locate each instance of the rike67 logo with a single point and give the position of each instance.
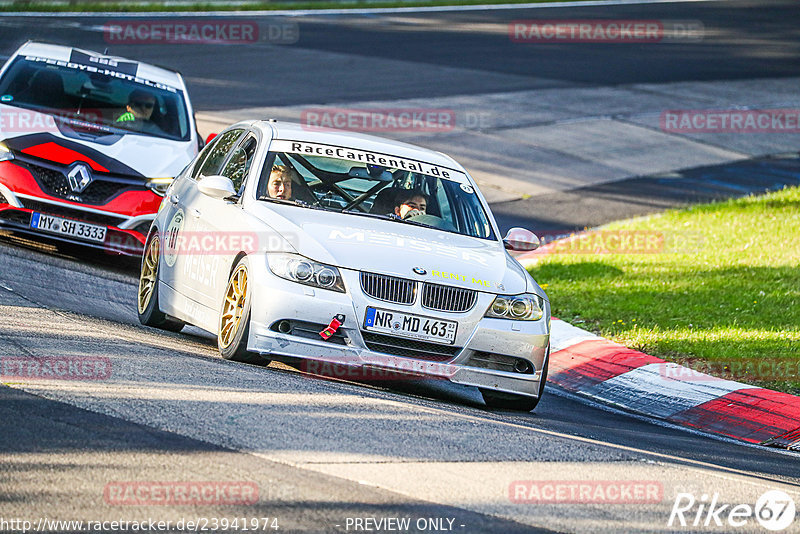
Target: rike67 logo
(774, 511)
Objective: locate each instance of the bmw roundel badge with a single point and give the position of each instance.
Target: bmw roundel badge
(419, 270)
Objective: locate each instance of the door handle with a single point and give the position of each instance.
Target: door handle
(174, 200)
(194, 213)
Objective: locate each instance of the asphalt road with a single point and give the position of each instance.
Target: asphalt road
(319, 450)
(345, 58)
(171, 409)
(366, 57)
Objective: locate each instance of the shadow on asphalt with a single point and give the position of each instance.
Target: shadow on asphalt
(125, 265)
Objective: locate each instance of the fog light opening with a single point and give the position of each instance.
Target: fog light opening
(522, 366)
(284, 327)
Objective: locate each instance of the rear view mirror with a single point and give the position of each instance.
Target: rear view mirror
(216, 187)
(521, 240)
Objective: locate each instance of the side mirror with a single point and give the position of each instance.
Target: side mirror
(216, 187)
(210, 137)
(521, 240)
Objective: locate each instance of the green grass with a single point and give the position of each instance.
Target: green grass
(725, 303)
(56, 6)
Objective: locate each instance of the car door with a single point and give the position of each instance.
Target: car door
(174, 223)
(218, 225)
(194, 265)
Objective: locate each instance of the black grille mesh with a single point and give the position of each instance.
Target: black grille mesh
(98, 192)
(446, 298)
(388, 288)
(17, 216)
(498, 362)
(409, 348)
(80, 215)
(403, 291)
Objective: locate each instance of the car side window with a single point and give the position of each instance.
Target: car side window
(194, 173)
(239, 162)
(218, 153)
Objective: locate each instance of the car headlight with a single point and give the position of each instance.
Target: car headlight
(527, 307)
(299, 269)
(159, 186)
(5, 153)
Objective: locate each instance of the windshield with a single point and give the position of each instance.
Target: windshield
(122, 104)
(399, 189)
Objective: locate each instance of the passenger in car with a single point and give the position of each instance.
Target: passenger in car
(410, 203)
(280, 182)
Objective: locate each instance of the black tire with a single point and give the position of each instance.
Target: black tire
(233, 345)
(147, 305)
(500, 400)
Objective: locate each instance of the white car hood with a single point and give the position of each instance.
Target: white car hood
(395, 248)
(153, 157)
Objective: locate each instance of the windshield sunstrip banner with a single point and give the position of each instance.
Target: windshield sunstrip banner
(371, 158)
(101, 69)
(125, 67)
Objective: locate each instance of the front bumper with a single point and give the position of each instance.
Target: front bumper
(118, 241)
(276, 300)
(127, 216)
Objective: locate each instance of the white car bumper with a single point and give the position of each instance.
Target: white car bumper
(286, 318)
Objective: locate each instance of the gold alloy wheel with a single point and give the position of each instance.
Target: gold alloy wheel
(233, 309)
(147, 278)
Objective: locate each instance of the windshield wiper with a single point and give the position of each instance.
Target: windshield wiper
(89, 126)
(385, 217)
(278, 200)
(359, 212)
(299, 203)
(397, 218)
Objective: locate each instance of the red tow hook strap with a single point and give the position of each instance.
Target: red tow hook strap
(336, 322)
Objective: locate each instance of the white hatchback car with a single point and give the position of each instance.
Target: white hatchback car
(336, 247)
(88, 145)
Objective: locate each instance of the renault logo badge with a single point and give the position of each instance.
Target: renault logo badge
(79, 178)
(419, 270)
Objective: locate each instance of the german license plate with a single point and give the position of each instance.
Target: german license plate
(57, 225)
(410, 326)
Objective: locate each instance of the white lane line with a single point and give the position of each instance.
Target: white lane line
(365, 11)
(472, 416)
(417, 404)
(663, 389)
